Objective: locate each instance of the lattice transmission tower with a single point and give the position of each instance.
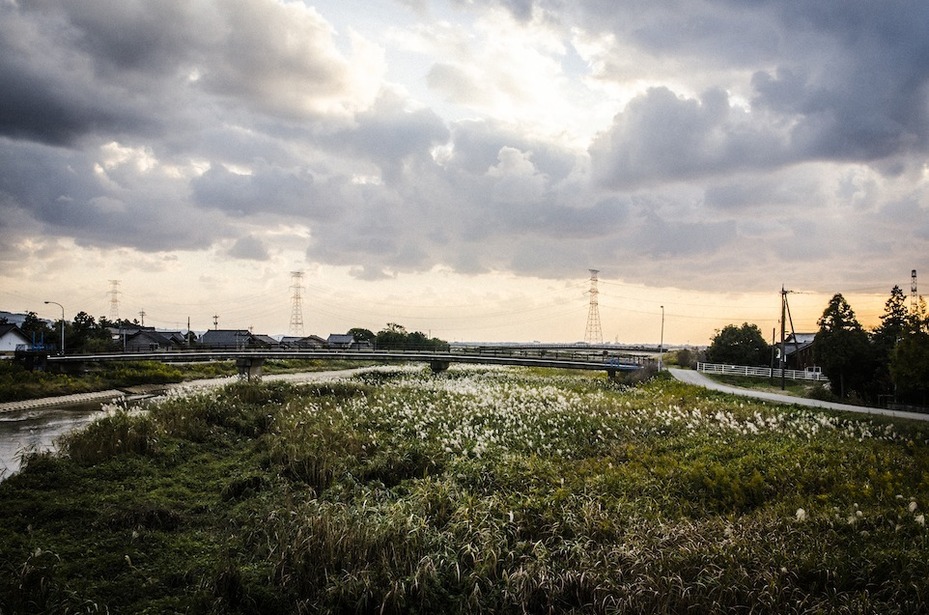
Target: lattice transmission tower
(593, 334)
(114, 300)
(296, 307)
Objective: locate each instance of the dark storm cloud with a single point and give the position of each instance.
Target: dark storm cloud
(849, 79)
(48, 92)
(181, 124)
(662, 137)
(265, 190)
(389, 136)
(68, 194)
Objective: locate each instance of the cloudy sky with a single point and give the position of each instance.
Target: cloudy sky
(457, 166)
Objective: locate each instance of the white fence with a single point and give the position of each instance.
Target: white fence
(761, 372)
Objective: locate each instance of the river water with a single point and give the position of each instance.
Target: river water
(37, 430)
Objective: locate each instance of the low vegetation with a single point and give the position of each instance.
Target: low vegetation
(470, 491)
(18, 383)
(798, 388)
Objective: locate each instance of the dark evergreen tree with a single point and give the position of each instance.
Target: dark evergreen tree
(844, 350)
(895, 322)
(909, 367)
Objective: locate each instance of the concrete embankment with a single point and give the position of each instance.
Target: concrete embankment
(61, 400)
(157, 389)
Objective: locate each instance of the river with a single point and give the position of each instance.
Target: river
(37, 430)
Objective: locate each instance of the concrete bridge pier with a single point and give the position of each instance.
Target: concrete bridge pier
(438, 367)
(249, 368)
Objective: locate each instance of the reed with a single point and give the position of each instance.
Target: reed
(478, 490)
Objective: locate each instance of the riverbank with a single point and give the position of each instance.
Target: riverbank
(471, 491)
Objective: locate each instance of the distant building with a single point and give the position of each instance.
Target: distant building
(798, 350)
(229, 339)
(310, 342)
(153, 341)
(346, 341)
(10, 337)
(340, 341)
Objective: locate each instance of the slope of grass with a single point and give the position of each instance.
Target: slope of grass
(474, 490)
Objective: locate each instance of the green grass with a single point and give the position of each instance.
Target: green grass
(798, 388)
(471, 491)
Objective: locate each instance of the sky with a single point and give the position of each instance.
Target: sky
(458, 166)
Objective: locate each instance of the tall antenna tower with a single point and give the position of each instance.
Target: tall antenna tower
(913, 297)
(114, 300)
(593, 334)
(296, 309)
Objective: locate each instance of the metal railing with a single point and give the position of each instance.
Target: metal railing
(761, 372)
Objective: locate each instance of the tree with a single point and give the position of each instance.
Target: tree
(739, 345)
(843, 349)
(362, 335)
(37, 330)
(396, 337)
(895, 322)
(909, 367)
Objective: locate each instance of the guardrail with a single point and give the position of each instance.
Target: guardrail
(760, 372)
(438, 360)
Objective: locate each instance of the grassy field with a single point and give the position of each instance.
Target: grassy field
(798, 388)
(471, 491)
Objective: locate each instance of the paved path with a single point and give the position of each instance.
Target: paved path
(699, 379)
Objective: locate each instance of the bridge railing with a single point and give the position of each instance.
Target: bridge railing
(760, 372)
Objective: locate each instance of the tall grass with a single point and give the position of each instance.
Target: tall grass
(476, 490)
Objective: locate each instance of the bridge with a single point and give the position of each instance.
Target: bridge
(250, 360)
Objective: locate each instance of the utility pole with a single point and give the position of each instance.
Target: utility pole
(215, 321)
(783, 356)
(914, 300)
(142, 316)
(661, 343)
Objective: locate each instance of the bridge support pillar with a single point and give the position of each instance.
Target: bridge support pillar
(249, 368)
(438, 367)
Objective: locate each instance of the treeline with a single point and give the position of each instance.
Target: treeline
(890, 361)
(396, 337)
(88, 334)
(83, 334)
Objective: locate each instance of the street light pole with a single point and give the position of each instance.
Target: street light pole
(62, 349)
(661, 343)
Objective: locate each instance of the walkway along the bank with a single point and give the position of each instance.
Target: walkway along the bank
(698, 379)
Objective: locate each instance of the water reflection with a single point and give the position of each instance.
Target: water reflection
(38, 429)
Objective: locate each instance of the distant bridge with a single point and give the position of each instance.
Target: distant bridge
(250, 360)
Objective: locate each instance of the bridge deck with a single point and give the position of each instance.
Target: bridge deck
(609, 365)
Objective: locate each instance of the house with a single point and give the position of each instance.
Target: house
(264, 341)
(340, 341)
(12, 336)
(798, 350)
(346, 341)
(230, 339)
(310, 342)
(152, 341)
